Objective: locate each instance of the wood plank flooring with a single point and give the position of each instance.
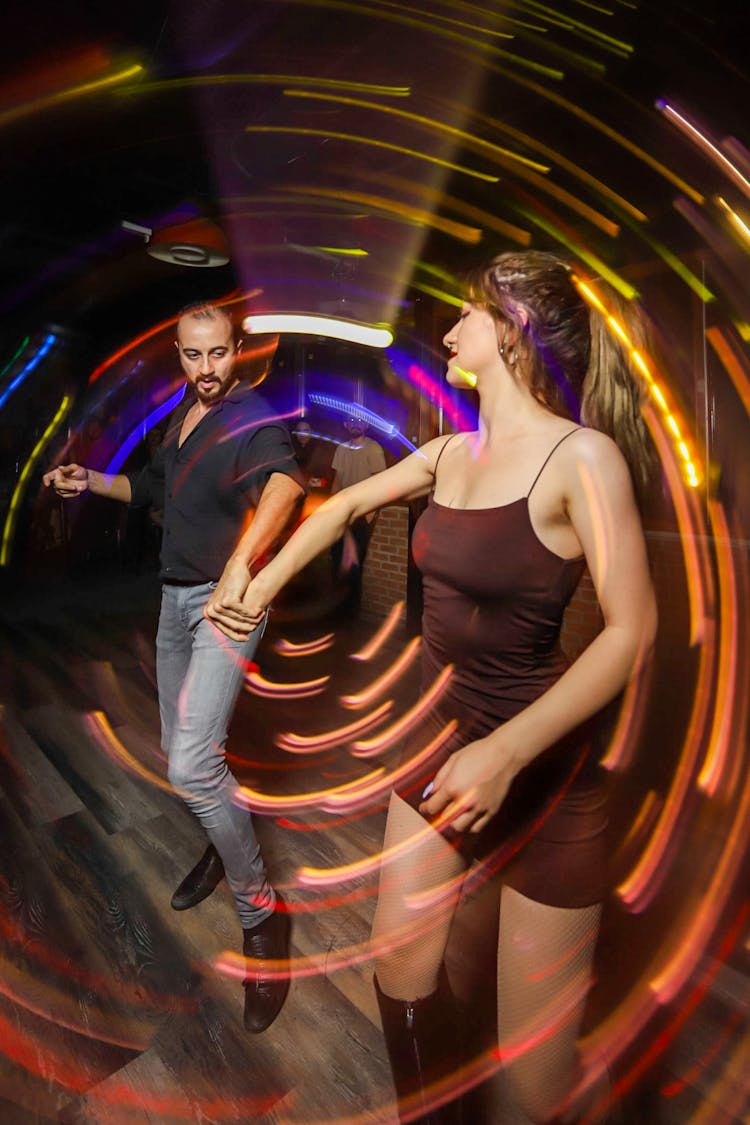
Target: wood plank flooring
(113, 1008)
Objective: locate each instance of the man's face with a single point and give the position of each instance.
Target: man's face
(207, 353)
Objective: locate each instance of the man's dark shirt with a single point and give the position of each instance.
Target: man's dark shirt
(208, 485)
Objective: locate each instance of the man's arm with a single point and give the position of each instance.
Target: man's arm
(278, 505)
(69, 481)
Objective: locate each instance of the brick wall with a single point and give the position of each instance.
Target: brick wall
(385, 571)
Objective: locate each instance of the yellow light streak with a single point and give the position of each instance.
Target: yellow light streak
(604, 129)
(293, 130)
(640, 362)
(562, 161)
(595, 264)
(23, 479)
(344, 252)
(439, 201)
(739, 223)
(70, 94)
(270, 80)
(393, 207)
(426, 122)
(398, 16)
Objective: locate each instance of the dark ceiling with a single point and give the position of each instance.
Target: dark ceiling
(209, 127)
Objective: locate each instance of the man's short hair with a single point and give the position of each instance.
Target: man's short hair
(210, 310)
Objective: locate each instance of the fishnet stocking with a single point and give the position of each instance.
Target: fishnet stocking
(409, 937)
(544, 964)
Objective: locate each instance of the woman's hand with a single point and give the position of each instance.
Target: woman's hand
(475, 780)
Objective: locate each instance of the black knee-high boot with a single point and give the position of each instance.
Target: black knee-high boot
(423, 1042)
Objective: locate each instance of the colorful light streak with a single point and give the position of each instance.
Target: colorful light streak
(162, 326)
(139, 432)
(23, 479)
(368, 335)
(28, 367)
(16, 356)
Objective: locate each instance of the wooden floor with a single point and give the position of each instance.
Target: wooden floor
(115, 1009)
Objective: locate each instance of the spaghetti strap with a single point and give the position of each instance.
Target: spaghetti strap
(546, 459)
(440, 454)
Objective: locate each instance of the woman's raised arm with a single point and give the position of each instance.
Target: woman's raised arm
(410, 478)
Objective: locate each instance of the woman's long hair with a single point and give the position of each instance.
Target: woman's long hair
(572, 361)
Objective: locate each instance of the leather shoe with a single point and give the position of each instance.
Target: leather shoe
(265, 994)
(200, 882)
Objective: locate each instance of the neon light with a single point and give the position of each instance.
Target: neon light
(27, 369)
(15, 502)
(143, 428)
(354, 410)
(355, 332)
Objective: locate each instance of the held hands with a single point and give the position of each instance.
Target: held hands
(474, 781)
(237, 618)
(68, 481)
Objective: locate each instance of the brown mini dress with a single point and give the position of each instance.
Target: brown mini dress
(494, 598)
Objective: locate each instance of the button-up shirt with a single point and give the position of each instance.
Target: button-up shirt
(208, 485)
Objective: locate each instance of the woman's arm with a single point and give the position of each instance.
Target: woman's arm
(406, 480)
(602, 512)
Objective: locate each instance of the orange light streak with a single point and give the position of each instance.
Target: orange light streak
(369, 747)
(311, 743)
(306, 648)
(302, 689)
(376, 789)
(315, 877)
(365, 697)
(266, 802)
(734, 363)
(383, 634)
(170, 322)
(726, 698)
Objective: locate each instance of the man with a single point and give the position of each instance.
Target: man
(354, 460)
(224, 460)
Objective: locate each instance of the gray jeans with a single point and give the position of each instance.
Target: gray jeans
(199, 674)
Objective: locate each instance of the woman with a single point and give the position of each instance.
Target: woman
(516, 511)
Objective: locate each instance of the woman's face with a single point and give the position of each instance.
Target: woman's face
(473, 344)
